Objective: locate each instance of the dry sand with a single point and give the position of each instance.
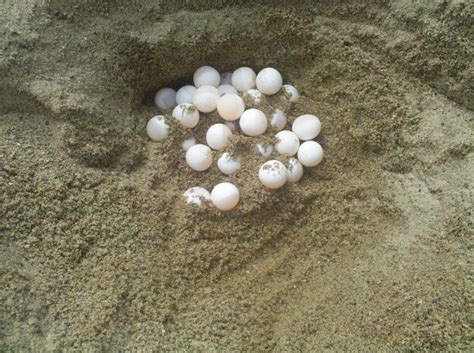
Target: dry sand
(370, 252)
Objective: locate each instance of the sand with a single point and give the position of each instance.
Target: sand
(369, 252)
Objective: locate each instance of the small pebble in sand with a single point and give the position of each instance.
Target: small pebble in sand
(199, 157)
(227, 164)
(196, 195)
(310, 153)
(187, 114)
(243, 79)
(269, 81)
(306, 127)
(205, 98)
(165, 98)
(206, 76)
(157, 128)
(225, 196)
(253, 122)
(217, 136)
(288, 143)
(273, 174)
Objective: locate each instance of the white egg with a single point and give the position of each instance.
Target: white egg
(165, 98)
(188, 143)
(264, 149)
(306, 127)
(273, 174)
(217, 136)
(230, 107)
(253, 122)
(199, 157)
(206, 76)
(157, 128)
(227, 164)
(243, 79)
(310, 153)
(185, 94)
(197, 195)
(226, 78)
(288, 143)
(225, 196)
(205, 98)
(230, 125)
(252, 98)
(291, 93)
(269, 81)
(278, 120)
(225, 89)
(186, 114)
(295, 170)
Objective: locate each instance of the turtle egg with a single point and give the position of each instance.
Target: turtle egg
(226, 78)
(295, 170)
(291, 93)
(205, 98)
(253, 122)
(225, 196)
(224, 89)
(196, 195)
(199, 157)
(217, 136)
(188, 143)
(243, 79)
(227, 164)
(252, 98)
(310, 153)
(306, 127)
(273, 174)
(278, 120)
(206, 76)
(230, 107)
(269, 81)
(264, 149)
(186, 114)
(165, 98)
(185, 94)
(230, 125)
(157, 128)
(288, 143)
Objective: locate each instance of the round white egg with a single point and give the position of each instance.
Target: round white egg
(188, 143)
(157, 128)
(291, 93)
(199, 157)
(252, 98)
(230, 107)
(269, 81)
(278, 120)
(165, 98)
(226, 78)
(185, 94)
(310, 153)
(206, 76)
(225, 89)
(273, 174)
(227, 164)
(288, 143)
(243, 79)
(295, 170)
(205, 98)
(253, 122)
(265, 150)
(217, 136)
(306, 127)
(225, 196)
(197, 195)
(230, 125)
(186, 114)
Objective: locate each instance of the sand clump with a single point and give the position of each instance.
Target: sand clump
(369, 252)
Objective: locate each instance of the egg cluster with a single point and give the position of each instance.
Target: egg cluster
(237, 96)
